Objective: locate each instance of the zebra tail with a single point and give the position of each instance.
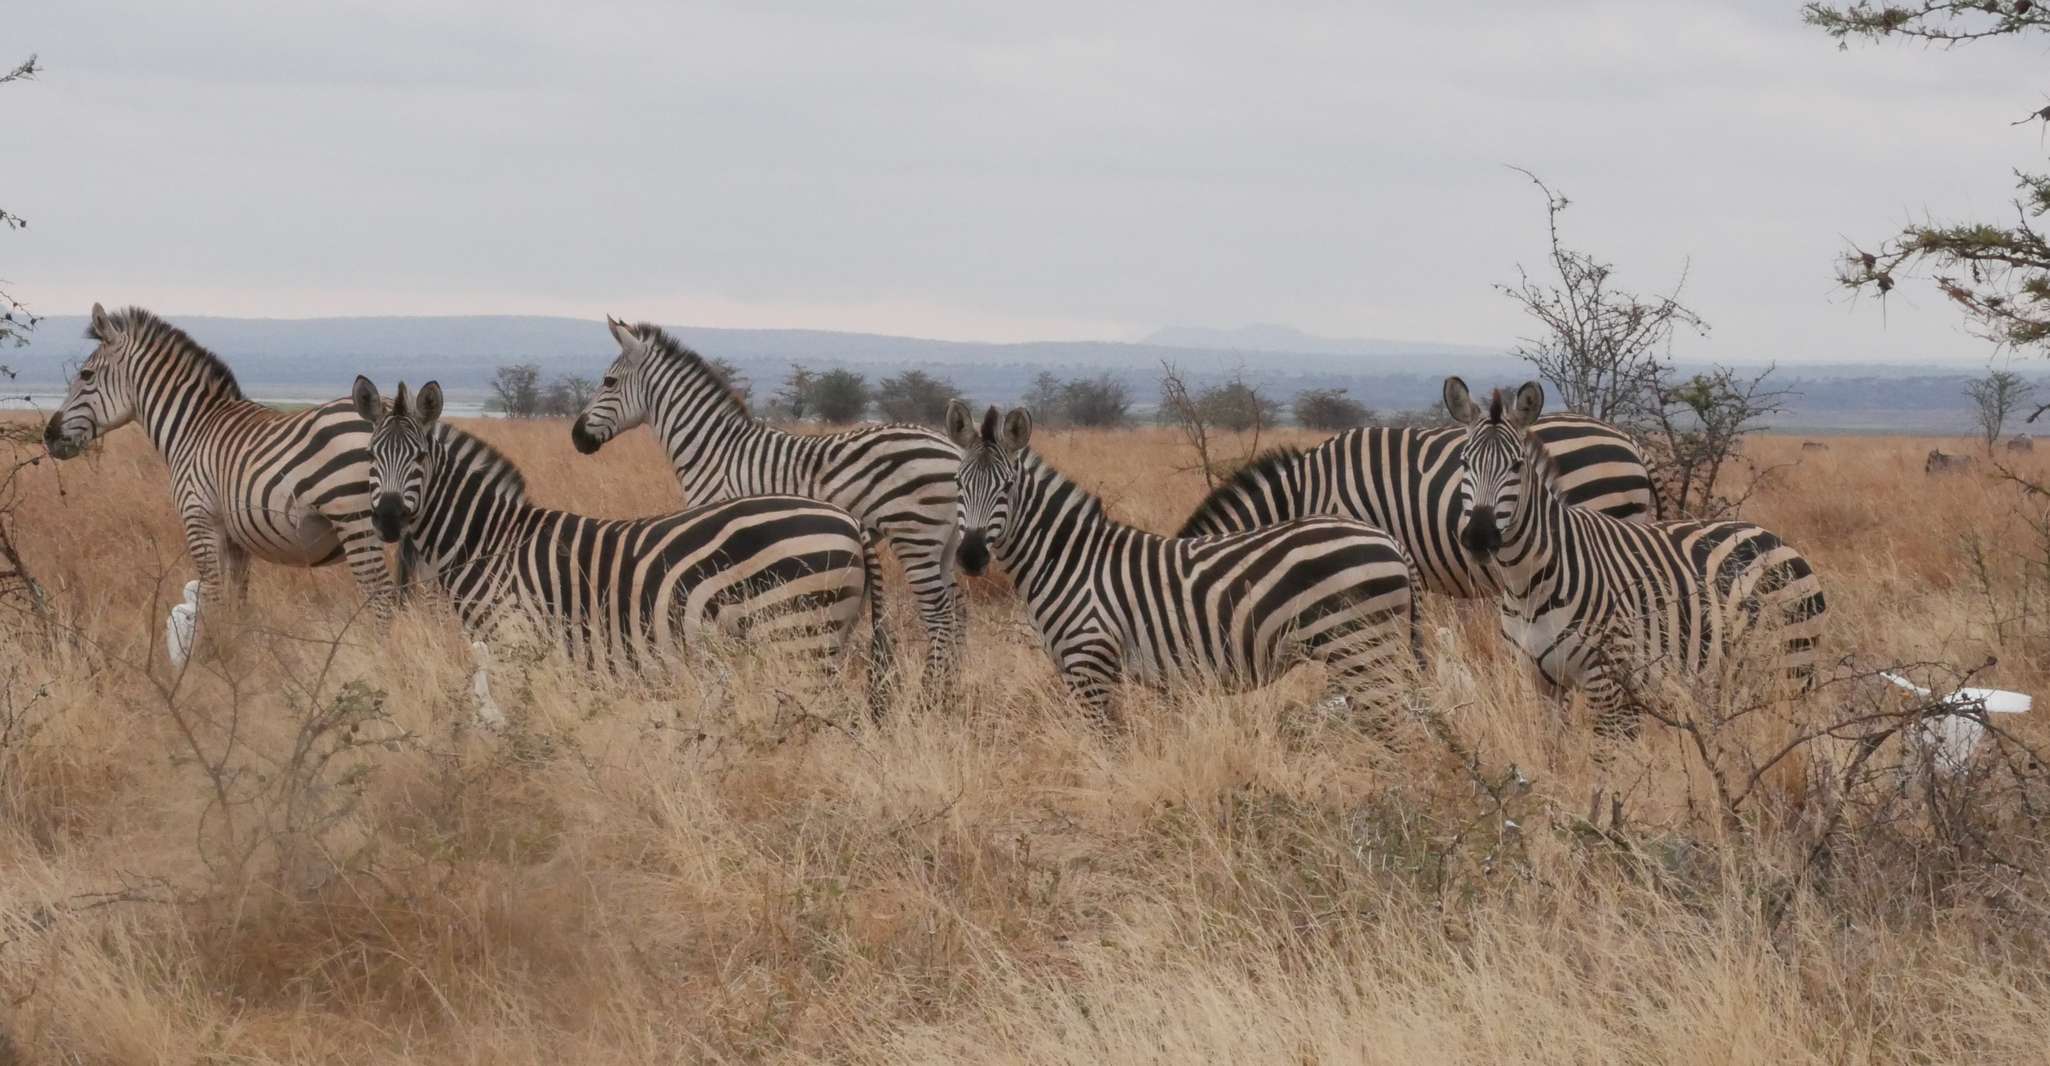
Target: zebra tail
(880, 672)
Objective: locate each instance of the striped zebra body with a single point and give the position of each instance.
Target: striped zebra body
(1614, 607)
(898, 480)
(1111, 602)
(620, 594)
(1411, 483)
(248, 481)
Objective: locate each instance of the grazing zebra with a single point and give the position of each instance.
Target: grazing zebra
(617, 592)
(1943, 462)
(1612, 606)
(898, 480)
(248, 480)
(1111, 601)
(1814, 446)
(2021, 442)
(1410, 482)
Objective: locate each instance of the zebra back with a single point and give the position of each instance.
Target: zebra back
(1411, 482)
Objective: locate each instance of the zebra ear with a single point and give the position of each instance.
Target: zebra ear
(1459, 401)
(427, 405)
(1530, 402)
(99, 327)
(960, 425)
(630, 343)
(369, 405)
(1017, 429)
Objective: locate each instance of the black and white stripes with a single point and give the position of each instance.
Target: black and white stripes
(1614, 607)
(248, 481)
(898, 480)
(1110, 601)
(783, 571)
(1411, 483)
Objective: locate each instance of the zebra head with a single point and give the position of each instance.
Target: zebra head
(1493, 454)
(988, 477)
(398, 452)
(102, 395)
(620, 403)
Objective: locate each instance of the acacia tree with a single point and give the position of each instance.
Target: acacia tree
(1994, 398)
(1997, 273)
(15, 319)
(1603, 349)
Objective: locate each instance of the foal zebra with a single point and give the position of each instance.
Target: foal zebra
(1109, 600)
(247, 480)
(898, 480)
(1411, 483)
(617, 592)
(1610, 606)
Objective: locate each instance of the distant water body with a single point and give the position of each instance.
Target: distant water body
(49, 401)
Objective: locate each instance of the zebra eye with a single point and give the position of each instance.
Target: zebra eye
(610, 382)
(85, 375)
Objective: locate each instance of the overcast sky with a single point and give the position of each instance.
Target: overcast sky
(1049, 170)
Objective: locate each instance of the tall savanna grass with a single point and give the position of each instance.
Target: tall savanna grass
(301, 848)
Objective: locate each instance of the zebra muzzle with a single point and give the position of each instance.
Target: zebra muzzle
(581, 436)
(973, 554)
(59, 444)
(1481, 536)
(388, 517)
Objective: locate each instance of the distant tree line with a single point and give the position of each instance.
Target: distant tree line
(840, 396)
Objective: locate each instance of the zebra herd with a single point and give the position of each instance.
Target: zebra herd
(1320, 554)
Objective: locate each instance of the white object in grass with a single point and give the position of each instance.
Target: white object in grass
(488, 714)
(182, 626)
(1953, 737)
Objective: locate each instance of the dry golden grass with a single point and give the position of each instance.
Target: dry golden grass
(688, 872)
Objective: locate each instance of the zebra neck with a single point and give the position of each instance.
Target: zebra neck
(470, 518)
(174, 418)
(1539, 534)
(704, 437)
(1055, 526)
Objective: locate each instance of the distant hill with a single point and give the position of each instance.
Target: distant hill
(1269, 337)
(318, 357)
(325, 354)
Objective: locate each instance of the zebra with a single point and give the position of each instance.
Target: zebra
(248, 481)
(618, 593)
(2021, 442)
(1814, 446)
(1411, 483)
(1110, 601)
(1942, 462)
(898, 480)
(1609, 606)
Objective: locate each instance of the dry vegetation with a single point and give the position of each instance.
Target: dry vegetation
(300, 851)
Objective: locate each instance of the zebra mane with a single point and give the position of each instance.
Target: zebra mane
(663, 346)
(479, 458)
(144, 327)
(1271, 465)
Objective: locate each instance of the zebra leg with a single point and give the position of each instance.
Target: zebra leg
(1091, 667)
(940, 613)
(881, 668)
(1616, 714)
(367, 565)
(207, 545)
